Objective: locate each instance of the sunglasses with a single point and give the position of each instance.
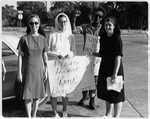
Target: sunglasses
(32, 23)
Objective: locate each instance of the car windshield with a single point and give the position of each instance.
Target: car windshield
(6, 51)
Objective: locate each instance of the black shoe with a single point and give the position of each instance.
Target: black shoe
(92, 107)
(92, 104)
(82, 101)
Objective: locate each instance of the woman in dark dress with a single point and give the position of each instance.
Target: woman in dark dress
(32, 65)
(111, 52)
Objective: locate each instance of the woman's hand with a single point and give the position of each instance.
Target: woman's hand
(45, 73)
(90, 53)
(19, 78)
(67, 56)
(4, 70)
(95, 54)
(45, 76)
(113, 78)
(60, 57)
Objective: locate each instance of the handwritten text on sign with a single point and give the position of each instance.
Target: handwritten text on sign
(93, 45)
(66, 76)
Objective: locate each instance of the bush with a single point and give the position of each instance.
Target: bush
(5, 22)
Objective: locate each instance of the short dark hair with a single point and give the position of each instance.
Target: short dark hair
(100, 8)
(33, 15)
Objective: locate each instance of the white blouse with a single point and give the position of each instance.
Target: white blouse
(61, 44)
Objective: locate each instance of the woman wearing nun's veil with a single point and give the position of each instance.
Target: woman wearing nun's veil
(61, 44)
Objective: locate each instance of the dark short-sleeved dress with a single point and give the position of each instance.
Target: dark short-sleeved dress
(110, 47)
(33, 48)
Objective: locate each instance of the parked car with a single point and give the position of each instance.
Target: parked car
(10, 86)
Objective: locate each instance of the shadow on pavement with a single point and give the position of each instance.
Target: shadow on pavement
(73, 103)
(75, 115)
(60, 103)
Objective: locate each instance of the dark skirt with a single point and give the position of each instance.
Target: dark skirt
(106, 70)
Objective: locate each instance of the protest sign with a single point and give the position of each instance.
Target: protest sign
(68, 75)
(96, 64)
(92, 44)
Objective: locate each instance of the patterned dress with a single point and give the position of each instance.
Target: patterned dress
(33, 48)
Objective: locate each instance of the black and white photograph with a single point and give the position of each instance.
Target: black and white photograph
(74, 59)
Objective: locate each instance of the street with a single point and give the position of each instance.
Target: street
(135, 61)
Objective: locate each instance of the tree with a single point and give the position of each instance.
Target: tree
(81, 9)
(127, 12)
(70, 8)
(86, 9)
(29, 8)
(9, 15)
(138, 11)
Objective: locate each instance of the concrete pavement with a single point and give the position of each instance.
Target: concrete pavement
(74, 110)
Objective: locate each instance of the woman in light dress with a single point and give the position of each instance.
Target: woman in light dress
(61, 44)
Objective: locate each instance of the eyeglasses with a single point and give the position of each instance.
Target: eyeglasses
(97, 15)
(63, 21)
(32, 23)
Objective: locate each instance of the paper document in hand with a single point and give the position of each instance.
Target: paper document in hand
(115, 86)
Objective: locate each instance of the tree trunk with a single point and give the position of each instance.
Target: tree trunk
(73, 21)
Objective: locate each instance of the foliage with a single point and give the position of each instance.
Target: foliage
(127, 12)
(29, 8)
(9, 15)
(78, 12)
(138, 10)
(69, 8)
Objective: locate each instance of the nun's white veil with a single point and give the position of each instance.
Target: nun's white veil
(68, 30)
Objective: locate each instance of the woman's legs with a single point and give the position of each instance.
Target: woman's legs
(54, 104)
(28, 104)
(35, 107)
(109, 109)
(65, 104)
(117, 109)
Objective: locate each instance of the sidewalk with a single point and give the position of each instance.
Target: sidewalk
(134, 32)
(83, 111)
